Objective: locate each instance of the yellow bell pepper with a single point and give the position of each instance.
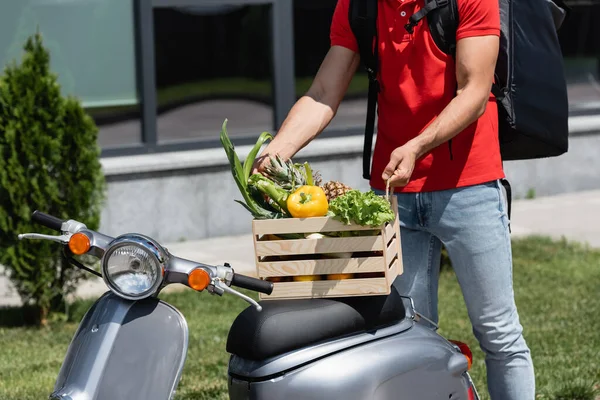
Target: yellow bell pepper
(307, 201)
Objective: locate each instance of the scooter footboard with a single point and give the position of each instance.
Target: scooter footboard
(125, 350)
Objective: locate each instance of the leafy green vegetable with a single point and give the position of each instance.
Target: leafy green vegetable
(367, 209)
(252, 155)
(259, 209)
(271, 189)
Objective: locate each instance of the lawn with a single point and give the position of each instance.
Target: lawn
(557, 287)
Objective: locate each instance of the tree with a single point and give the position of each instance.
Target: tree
(49, 160)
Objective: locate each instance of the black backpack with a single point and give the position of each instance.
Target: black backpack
(530, 84)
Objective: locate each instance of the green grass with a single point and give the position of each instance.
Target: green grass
(557, 289)
(557, 292)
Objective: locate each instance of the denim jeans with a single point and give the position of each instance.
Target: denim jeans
(472, 223)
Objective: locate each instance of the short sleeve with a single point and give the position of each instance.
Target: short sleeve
(341, 33)
(478, 18)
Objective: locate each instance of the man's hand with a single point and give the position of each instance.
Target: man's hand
(401, 166)
(261, 162)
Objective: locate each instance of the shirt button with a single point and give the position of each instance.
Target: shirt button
(403, 13)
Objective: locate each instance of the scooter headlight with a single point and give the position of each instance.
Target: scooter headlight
(133, 266)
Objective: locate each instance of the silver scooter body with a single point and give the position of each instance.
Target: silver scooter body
(124, 350)
(135, 348)
(404, 361)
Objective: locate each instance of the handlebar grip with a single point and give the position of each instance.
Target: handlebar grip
(250, 283)
(47, 220)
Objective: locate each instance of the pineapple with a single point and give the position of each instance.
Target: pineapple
(289, 175)
(284, 173)
(335, 189)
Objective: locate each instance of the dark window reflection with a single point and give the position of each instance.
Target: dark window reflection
(312, 21)
(212, 63)
(118, 126)
(580, 41)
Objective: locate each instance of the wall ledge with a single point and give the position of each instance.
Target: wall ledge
(178, 160)
(345, 145)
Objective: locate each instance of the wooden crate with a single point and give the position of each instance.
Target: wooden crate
(375, 258)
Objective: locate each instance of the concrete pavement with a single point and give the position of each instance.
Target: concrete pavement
(576, 216)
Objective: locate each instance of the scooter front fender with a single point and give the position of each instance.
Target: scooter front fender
(124, 350)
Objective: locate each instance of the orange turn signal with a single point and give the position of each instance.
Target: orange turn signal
(199, 279)
(79, 244)
(465, 350)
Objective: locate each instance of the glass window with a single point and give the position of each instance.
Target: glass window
(580, 41)
(213, 62)
(312, 22)
(92, 51)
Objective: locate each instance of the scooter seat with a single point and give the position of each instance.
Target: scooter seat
(287, 325)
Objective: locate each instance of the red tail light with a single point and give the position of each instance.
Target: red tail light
(471, 394)
(465, 350)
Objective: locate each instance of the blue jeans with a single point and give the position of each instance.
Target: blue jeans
(472, 223)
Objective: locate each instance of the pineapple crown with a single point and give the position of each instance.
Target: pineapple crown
(287, 174)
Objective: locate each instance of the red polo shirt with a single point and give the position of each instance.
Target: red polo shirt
(417, 82)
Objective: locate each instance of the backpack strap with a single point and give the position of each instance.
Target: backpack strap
(430, 5)
(508, 190)
(442, 19)
(363, 22)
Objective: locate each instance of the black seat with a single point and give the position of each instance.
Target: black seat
(286, 325)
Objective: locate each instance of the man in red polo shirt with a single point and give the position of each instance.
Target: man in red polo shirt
(437, 144)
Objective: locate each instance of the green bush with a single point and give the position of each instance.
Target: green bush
(49, 160)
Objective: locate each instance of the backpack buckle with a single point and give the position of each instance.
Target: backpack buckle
(410, 27)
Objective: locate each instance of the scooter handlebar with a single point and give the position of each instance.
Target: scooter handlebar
(47, 220)
(250, 283)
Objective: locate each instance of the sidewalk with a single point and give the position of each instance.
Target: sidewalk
(575, 216)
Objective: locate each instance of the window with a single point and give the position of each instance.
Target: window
(92, 51)
(212, 63)
(312, 22)
(580, 41)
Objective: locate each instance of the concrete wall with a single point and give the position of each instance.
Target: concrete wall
(190, 195)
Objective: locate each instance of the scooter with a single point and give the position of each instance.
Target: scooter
(131, 345)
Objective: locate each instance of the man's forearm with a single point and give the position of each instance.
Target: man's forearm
(307, 118)
(461, 112)
(315, 110)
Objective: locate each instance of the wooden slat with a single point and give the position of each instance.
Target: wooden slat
(319, 289)
(391, 250)
(321, 267)
(304, 225)
(393, 272)
(319, 246)
(400, 266)
(389, 232)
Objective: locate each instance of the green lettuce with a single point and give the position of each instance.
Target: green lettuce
(366, 209)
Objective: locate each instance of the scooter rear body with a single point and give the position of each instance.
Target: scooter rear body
(414, 363)
(403, 359)
(124, 350)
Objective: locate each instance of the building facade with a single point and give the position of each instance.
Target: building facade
(160, 76)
